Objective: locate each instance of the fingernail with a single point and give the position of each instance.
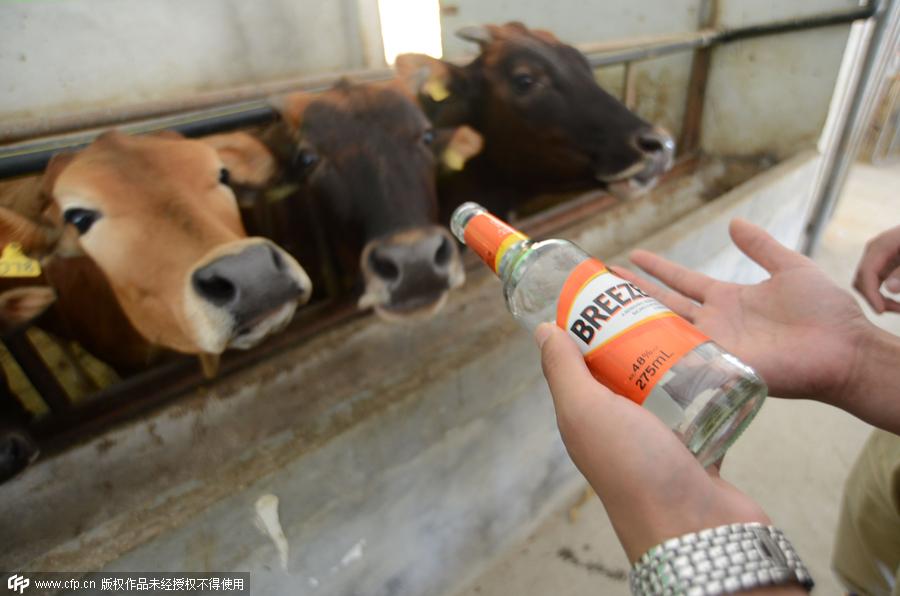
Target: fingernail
(893, 285)
(542, 333)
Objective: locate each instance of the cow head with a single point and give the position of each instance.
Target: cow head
(363, 155)
(155, 216)
(545, 121)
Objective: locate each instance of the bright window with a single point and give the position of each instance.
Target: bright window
(410, 26)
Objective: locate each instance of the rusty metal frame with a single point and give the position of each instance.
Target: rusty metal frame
(213, 112)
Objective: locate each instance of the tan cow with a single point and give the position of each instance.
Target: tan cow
(145, 248)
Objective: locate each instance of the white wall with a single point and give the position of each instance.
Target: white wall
(771, 94)
(573, 21)
(66, 55)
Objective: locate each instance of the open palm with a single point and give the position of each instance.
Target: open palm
(798, 329)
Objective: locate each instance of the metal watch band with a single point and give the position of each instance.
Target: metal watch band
(719, 560)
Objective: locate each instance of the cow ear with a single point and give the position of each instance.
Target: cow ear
(483, 35)
(248, 160)
(291, 107)
(428, 77)
(20, 306)
(464, 144)
(55, 166)
(35, 238)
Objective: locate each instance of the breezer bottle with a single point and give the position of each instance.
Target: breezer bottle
(631, 343)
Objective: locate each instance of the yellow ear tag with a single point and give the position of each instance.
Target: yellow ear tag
(435, 89)
(14, 263)
(453, 159)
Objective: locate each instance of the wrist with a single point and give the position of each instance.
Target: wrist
(870, 391)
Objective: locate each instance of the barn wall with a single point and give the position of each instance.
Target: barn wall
(69, 55)
(771, 95)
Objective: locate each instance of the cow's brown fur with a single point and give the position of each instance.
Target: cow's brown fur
(164, 212)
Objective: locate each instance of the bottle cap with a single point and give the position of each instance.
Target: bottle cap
(486, 234)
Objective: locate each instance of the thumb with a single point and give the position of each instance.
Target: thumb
(570, 381)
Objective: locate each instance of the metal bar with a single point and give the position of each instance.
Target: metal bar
(838, 157)
(695, 101)
(629, 87)
(37, 372)
(234, 97)
(696, 96)
(32, 156)
(154, 387)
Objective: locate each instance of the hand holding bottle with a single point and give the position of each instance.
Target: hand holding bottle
(651, 486)
(804, 335)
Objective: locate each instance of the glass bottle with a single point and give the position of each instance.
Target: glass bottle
(632, 344)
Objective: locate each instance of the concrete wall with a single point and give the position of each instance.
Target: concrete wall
(61, 56)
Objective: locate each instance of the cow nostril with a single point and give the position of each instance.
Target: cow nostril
(215, 288)
(383, 267)
(650, 144)
(655, 142)
(443, 253)
(277, 260)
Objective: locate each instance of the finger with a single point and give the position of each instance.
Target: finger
(892, 283)
(762, 248)
(891, 276)
(570, 381)
(681, 305)
(891, 305)
(681, 279)
(867, 283)
(876, 265)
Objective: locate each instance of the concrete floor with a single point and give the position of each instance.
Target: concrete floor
(799, 483)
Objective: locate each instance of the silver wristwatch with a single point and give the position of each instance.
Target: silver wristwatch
(720, 560)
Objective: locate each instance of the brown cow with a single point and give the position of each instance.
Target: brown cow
(547, 125)
(164, 260)
(361, 157)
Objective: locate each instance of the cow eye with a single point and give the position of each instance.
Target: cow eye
(428, 137)
(82, 219)
(304, 162)
(224, 176)
(522, 82)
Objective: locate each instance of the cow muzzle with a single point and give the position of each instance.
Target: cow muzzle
(409, 274)
(657, 150)
(244, 293)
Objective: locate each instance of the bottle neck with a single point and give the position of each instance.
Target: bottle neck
(512, 258)
(495, 241)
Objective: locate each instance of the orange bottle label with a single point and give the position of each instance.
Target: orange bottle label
(629, 340)
(490, 238)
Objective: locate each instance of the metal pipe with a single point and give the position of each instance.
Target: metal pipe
(842, 153)
(104, 118)
(32, 156)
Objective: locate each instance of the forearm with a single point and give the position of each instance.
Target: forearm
(873, 390)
